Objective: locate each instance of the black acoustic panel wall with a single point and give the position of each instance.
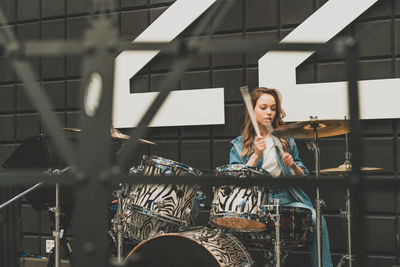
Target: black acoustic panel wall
(378, 127)
(231, 80)
(372, 261)
(53, 67)
(337, 228)
(397, 36)
(7, 73)
(261, 14)
(133, 23)
(163, 132)
(225, 60)
(7, 96)
(166, 149)
(27, 125)
(331, 71)
(28, 10)
(379, 234)
(9, 10)
(196, 80)
(305, 73)
(201, 158)
(379, 152)
(378, 10)
(159, 2)
(162, 62)
(75, 31)
(7, 126)
(30, 219)
(5, 152)
(397, 7)
(73, 94)
(269, 37)
(140, 83)
(196, 131)
(233, 122)
(53, 8)
(252, 77)
(334, 198)
(74, 119)
(156, 12)
(31, 244)
(75, 7)
(221, 152)
(134, 3)
(295, 12)
(46, 226)
(370, 45)
(24, 103)
(55, 92)
(158, 82)
(28, 32)
(378, 200)
(60, 117)
(233, 21)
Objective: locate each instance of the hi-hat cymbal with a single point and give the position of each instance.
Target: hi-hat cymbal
(305, 129)
(116, 134)
(345, 168)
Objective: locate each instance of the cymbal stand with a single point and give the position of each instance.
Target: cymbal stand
(314, 146)
(347, 214)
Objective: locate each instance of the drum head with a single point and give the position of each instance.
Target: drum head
(170, 250)
(238, 224)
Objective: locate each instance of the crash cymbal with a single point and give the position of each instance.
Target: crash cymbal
(114, 133)
(305, 129)
(344, 168)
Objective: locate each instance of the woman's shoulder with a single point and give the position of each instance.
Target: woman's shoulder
(237, 140)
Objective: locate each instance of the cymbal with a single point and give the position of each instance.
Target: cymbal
(344, 168)
(116, 134)
(305, 129)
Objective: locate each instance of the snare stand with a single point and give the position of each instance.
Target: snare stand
(117, 222)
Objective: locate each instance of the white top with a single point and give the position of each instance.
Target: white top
(270, 159)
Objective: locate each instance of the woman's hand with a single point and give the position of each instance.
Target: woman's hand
(287, 159)
(259, 146)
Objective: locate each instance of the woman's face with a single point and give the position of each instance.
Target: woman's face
(265, 109)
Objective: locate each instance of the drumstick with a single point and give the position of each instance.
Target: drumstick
(247, 101)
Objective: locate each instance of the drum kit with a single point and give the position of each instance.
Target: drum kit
(159, 218)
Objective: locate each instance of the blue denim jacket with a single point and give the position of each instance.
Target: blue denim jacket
(236, 158)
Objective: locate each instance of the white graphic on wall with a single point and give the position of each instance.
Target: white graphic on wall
(184, 107)
(277, 69)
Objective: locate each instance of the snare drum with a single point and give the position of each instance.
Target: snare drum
(295, 227)
(148, 209)
(238, 208)
(198, 247)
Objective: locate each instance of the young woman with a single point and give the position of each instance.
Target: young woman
(260, 152)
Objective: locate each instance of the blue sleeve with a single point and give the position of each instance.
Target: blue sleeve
(234, 157)
(295, 154)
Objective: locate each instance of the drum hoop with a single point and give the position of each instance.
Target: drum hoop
(170, 234)
(239, 167)
(156, 160)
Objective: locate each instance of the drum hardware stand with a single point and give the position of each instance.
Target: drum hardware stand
(313, 145)
(118, 225)
(347, 213)
(277, 221)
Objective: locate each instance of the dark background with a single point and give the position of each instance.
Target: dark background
(206, 147)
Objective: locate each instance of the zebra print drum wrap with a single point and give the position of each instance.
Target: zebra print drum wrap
(237, 208)
(225, 248)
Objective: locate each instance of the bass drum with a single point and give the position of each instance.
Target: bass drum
(196, 247)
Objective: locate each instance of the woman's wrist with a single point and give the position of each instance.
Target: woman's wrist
(252, 162)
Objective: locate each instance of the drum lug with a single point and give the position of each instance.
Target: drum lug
(188, 211)
(159, 202)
